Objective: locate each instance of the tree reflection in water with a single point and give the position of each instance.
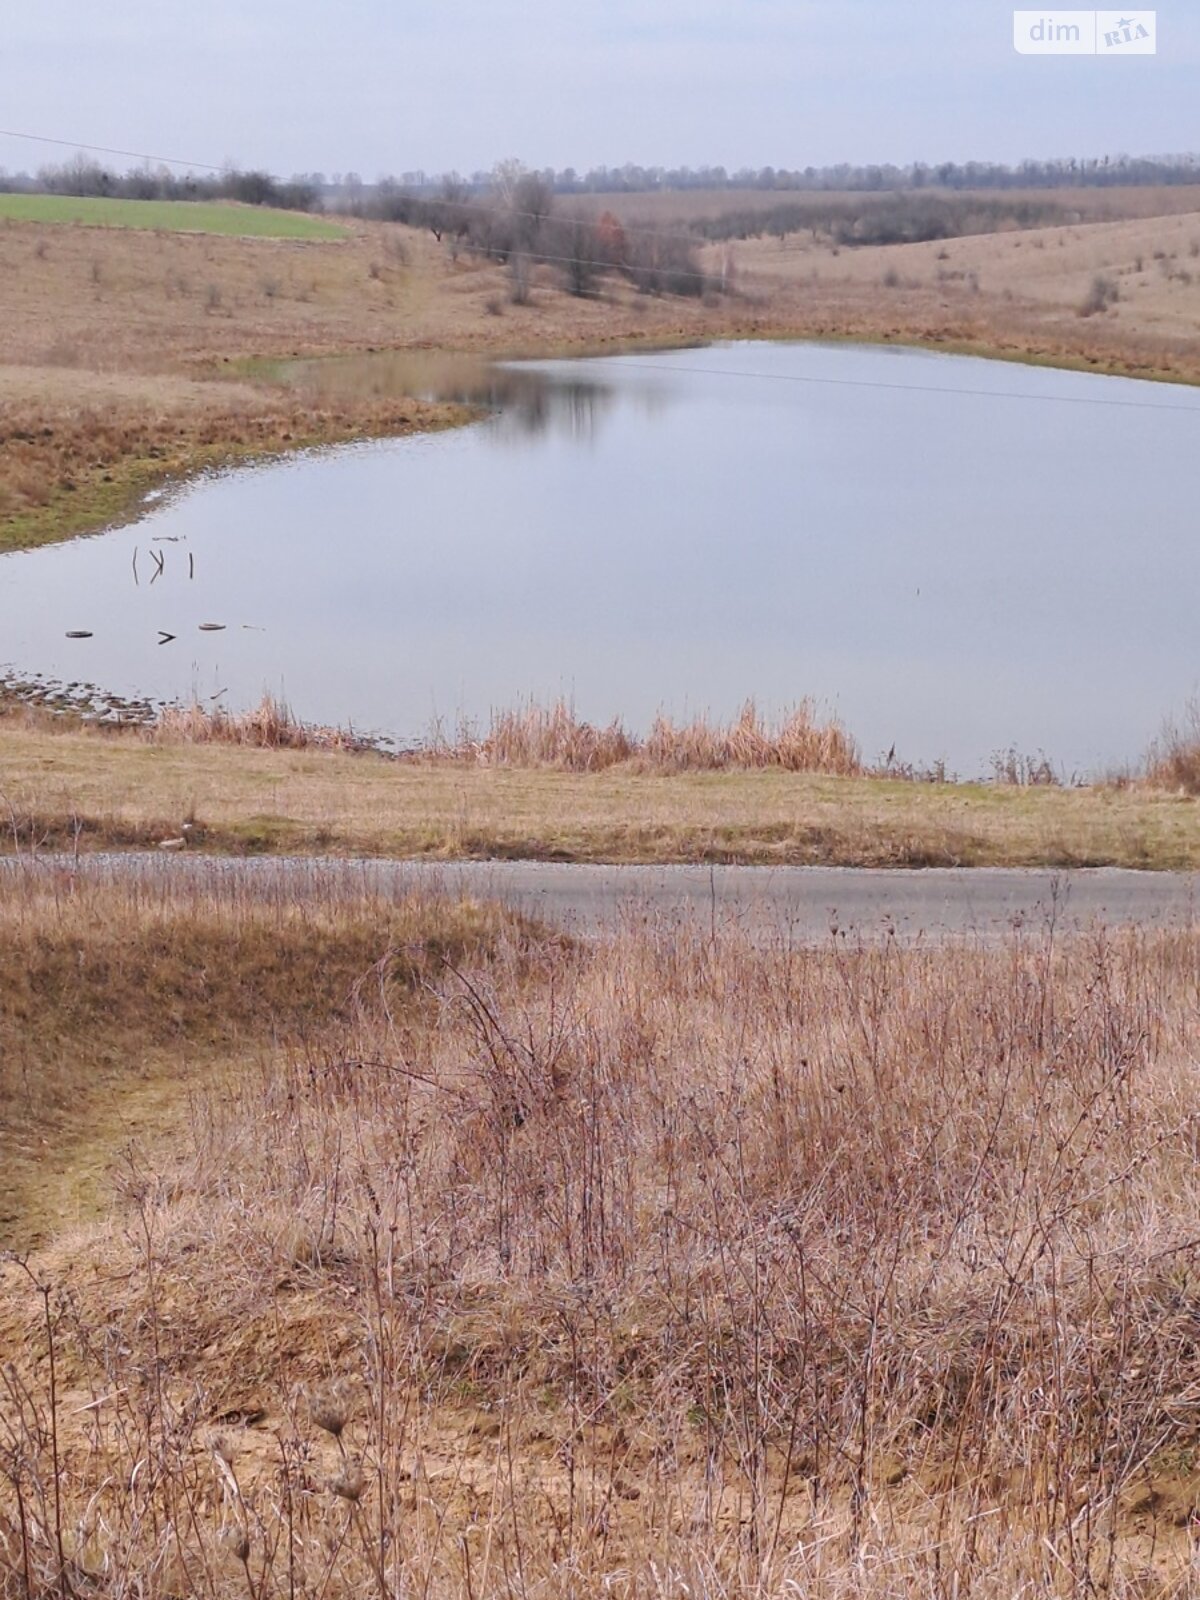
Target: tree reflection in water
(527, 398)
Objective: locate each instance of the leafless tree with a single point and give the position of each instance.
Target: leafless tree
(518, 268)
(575, 244)
(533, 201)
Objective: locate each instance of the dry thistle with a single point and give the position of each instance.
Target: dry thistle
(350, 1481)
(329, 1408)
(236, 1539)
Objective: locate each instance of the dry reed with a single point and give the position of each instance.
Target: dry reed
(270, 725)
(533, 735)
(556, 736)
(800, 742)
(1173, 760)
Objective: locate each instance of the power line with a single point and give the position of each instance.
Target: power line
(697, 240)
(107, 150)
(906, 388)
(646, 230)
(675, 272)
(471, 206)
(476, 207)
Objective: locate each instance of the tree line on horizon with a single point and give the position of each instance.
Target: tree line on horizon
(84, 176)
(1064, 172)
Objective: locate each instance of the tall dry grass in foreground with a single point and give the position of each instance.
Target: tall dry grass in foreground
(534, 735)
(96, 974)
(679, 1265)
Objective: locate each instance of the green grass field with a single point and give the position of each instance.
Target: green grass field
(180, 216)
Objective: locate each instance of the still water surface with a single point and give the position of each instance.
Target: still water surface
(955, 555)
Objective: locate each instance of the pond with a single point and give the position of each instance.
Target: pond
(954, 555)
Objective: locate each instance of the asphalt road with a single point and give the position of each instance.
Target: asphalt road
(806, 902)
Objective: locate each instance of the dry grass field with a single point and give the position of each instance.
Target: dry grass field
(672, 207)
(692, 800)
(123, 357)
(444, 1261)
(1153, 264)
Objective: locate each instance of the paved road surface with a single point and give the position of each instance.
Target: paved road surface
(807, 901)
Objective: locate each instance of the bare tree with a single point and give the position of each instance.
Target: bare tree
(450, 212)
(533, 201)
(523, 203)
(518, 267)
(576, 245)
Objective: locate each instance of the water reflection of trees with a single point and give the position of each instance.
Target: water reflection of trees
(530, 403)
(527, 401)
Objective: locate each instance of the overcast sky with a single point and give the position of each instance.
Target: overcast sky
(393, 85)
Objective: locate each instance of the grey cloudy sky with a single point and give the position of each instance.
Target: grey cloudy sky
(389, 85)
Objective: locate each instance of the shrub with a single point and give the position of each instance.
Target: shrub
(1103, 293)
(1173, 759)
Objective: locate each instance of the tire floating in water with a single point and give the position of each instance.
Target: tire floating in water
(78, 633)
(212, 627)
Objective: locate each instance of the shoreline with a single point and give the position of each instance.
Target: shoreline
(114, 492)
(118, 498)
(94, 789)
